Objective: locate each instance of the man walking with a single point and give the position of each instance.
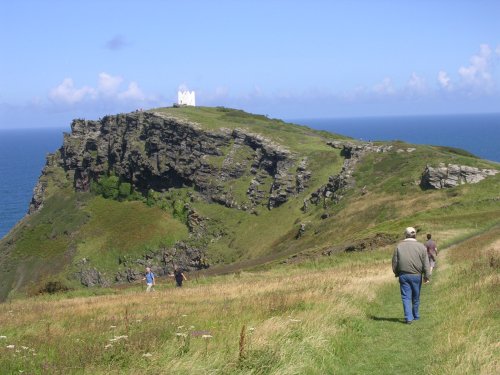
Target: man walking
(409, 261)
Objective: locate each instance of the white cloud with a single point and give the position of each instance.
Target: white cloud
(108, 84)
(417, 84)
(133, 93)
(107, 90)
(384, 88)
(478, 73)
(444, 80)
(67, 93)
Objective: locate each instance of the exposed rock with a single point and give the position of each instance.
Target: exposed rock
(158, 152)
(38, 197)
(302, 230)
(337, 185)
(92, 277)
(371, 243)
(453, 175)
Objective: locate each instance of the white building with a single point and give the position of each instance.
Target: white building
(186, 98)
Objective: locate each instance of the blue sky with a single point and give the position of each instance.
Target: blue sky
(288, 59)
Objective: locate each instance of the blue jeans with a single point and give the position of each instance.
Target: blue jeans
(410, 294)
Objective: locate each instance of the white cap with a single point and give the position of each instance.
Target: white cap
(410, 231)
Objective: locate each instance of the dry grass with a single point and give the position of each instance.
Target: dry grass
(469, 336)
(298, 319)
(278, 306)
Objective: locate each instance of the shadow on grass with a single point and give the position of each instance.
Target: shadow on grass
(385, 319)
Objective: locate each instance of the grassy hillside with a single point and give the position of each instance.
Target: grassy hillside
(51, 244)
(338, 314)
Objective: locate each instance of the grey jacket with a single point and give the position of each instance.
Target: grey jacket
(410, 257)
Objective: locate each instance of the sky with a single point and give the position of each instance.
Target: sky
(287, 59)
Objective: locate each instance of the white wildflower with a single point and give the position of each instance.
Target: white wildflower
(295, 320)
(206, 336)
(25, 347)
(180, 334)
(3, 337)
(112, 326)
(251, 329)
(147, 355)
(108, 346)
(184, 315)
(180, 327)
(10, 346)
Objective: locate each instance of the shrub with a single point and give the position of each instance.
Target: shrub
(124, 191)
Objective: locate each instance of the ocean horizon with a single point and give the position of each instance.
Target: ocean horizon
(23, 151)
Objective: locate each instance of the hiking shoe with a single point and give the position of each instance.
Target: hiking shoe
(409, 321)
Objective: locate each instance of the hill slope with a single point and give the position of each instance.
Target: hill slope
(221, 190)
(333, 315)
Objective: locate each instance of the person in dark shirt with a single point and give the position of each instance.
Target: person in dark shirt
(179, 276)
(432, 251)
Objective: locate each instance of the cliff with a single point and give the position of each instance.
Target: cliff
(223, 190)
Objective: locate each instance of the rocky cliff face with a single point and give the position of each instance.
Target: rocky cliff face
(155, 151)
(337, 184)
(451, 175)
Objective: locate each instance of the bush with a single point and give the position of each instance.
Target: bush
(53, 287)
(124, 191)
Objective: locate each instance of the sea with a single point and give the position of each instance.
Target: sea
(23, 152)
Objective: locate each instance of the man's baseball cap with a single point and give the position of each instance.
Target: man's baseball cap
(410, 231)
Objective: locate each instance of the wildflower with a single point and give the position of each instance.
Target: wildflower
(206, 336)
(3, 337)
(251, 329)
(116, 338)
(10, 346)
(112, 326)
(191, 327)
(25, 347)
(180, 327)
(295, 320)
(184, 315)
(147, 355)
(181, 334)
(108, 346)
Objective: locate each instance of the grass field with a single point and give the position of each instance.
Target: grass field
(329, 315)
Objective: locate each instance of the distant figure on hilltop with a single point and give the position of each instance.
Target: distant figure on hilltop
(432, 251)
(409, 261)
(150, 280)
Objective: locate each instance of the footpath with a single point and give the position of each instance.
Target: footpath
(450, 305)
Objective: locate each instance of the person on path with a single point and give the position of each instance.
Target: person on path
(178, 276)
(409, 262)
(150, 280)
(432, 251)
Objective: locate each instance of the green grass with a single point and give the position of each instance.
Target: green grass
(124, 228)
(386, 197)
(340, 314)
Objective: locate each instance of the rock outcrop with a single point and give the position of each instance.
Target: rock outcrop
(158, 152)
(339, 183)
(451, 175)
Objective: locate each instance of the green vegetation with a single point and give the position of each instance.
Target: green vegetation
(115, 220)
(339, 314)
